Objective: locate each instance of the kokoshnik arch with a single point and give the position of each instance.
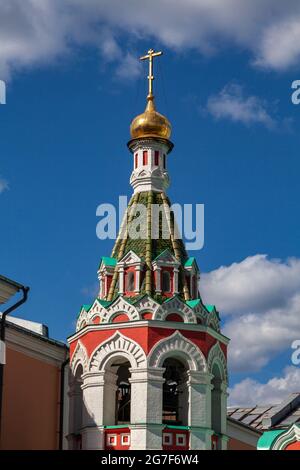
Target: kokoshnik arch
(148, 360)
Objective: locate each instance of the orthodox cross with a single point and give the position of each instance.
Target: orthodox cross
(151, 54)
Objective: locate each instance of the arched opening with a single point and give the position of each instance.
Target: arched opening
(166, 281)
(175, 403)
(118, 392)
(216, 404)
(123, 396)
(129, 285)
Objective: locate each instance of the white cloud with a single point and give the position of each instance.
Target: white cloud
(38, 31)
(3, 185)
(260, 300)
(251, 392)
(256, 284)
(231, 103)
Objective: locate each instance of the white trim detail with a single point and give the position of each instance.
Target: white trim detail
(177, 345)
(146, 304)
(153, 324)
(80, 356)
(117, 345)
(216, 356)
(289, 437)
(175, 305)
(168, 435)
(183, 443)
(127, 435)
(111, 436)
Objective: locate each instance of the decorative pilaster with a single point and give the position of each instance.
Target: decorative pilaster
(99, 395)
(146, 408)
(176, 271)
(137, 278)
(199, 414)
(121, 280)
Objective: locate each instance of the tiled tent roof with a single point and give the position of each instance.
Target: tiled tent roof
(147, 247)
(279, 416)
(157, 246)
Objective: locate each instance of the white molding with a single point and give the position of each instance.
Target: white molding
(117, 345)
(178, 345)
(216, 356)
(290, 436)
(175, 305)
(80, 356)
(34, 347)
(240, 432)
(151, 323)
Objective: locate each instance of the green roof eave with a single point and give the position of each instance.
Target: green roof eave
(108, 261)
(193, 303)
(86, 307)
(190, 261)
(104, 303)
(210, 308)
(267, 439)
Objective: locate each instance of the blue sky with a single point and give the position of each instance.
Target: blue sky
(63, 151)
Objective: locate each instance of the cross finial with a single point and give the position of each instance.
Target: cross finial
(150, 55)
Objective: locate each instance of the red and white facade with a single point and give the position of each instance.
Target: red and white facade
(148, 360)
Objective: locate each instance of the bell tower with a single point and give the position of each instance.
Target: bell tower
(148, 359)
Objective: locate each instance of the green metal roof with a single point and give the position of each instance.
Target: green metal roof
(104, 303)
(107, 261)
(86, 307)
(210, 308)
(193, 303)
(189, 262)
(266, 441)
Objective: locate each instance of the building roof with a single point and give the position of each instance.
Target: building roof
(279, 416)
(28, 330)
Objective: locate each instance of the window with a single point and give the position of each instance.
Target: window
(125, 439)
(180, 440)
(166, 281)
(111, 440)
(145, 157)
(156, 158)
(136, 160)
(130, 281)
(167, 439)
(164, 160)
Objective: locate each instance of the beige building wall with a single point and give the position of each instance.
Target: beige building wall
(31, 395)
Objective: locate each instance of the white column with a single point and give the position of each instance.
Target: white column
(146, 408)
(176, 270)
(158, 280)
(224, 395)
(199, 416)
(121, 280)
(99, 392)
(137, 278)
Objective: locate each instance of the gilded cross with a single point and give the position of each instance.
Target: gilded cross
(151, 54)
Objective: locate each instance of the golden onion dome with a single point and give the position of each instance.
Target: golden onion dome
(150, 123)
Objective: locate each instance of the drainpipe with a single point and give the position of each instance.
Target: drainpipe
(24, 291)
(62, 403)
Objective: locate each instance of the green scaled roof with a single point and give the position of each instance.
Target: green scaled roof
(107, 261)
